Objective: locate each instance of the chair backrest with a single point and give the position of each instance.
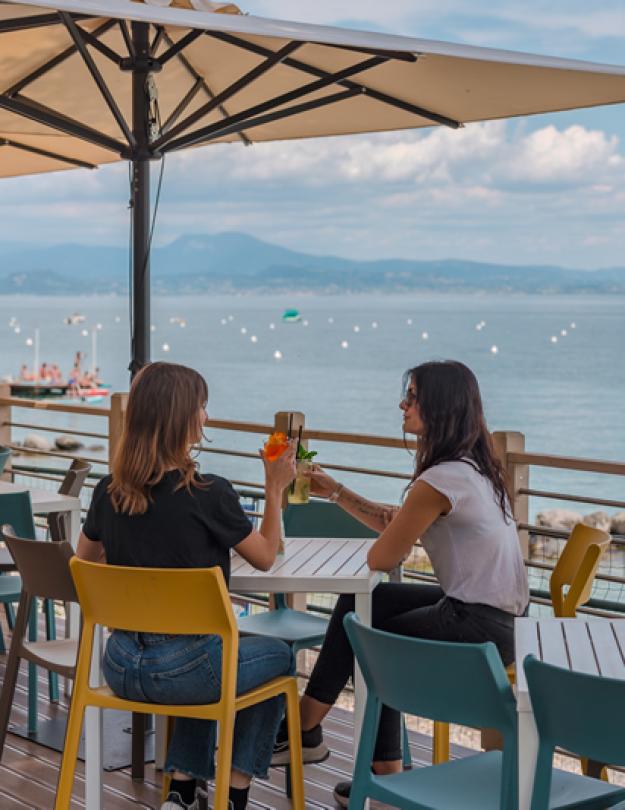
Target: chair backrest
(584, 714)
(576, 568)
(16, 510)
(322, 519)
(58, 522)
(420, 676)
(185, 601)
(43, 567)
(4, 456)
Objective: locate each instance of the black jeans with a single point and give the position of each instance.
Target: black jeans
(421, 611)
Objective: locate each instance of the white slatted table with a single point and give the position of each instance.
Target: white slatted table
(318, 565)
(593, 646)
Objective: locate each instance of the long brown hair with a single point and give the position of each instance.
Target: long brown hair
(162, 421)
(450, 407)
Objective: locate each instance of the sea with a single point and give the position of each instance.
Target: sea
(549, 366)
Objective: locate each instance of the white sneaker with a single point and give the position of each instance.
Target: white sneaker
(174, 801)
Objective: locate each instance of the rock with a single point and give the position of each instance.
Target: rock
(617, 524)
(598, 520)
(35, 442)
(558, 518)
(67, 443)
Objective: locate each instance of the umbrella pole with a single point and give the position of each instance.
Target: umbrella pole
(140, 200)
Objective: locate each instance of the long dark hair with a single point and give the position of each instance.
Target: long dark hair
(163, 419)
(450, 406)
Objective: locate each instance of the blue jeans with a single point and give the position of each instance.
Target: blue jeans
(187, 669)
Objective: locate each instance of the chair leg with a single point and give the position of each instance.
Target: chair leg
(405, 745)
(440, 743)
(8, 691)
(53, 678)
(70, 754)
(597, 770)
(3, 649)
(224, 762)
(10, 613)
(137, 770)
(32, 673)
(169, 730)
(296, 769)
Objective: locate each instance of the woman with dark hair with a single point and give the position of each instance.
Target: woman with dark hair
(458, 506)
(157, 510)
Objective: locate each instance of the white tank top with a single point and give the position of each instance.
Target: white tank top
(474, 550)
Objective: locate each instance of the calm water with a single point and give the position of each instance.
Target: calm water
(567, 397)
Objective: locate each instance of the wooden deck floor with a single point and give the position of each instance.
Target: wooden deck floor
(29, 772)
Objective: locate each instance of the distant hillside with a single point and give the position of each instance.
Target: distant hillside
(237, 261)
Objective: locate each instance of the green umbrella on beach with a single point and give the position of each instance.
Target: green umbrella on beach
(89, 82)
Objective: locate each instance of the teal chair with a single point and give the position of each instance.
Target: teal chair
(4, 457)
(300, 629)
(16, 511)
(420, 677)
(584, 714)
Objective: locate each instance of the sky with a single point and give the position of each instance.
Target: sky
(541, 190)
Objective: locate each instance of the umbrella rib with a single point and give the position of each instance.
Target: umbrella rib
(179, 46)
(40, 21)
(265, 106)
(296, 109)
(52, 63)
(198, 78)
(307, 68)
(45, 153)
(76, 34)
(270, 61)
(110, 54)
(20, 105)
(127, 38)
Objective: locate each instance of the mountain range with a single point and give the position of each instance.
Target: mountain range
(239, 262)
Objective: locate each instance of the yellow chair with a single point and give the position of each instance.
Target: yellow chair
(176, 601)
(570, 586)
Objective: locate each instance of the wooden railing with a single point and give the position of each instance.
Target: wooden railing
(510, 446)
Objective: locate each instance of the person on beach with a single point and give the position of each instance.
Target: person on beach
(157, 510)
(457, 504)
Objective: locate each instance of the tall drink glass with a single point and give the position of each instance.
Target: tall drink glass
(299, 491)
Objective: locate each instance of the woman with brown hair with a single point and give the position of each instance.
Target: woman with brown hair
(458, 506)
(157, 510)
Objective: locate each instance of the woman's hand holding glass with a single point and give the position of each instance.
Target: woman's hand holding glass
(281, 471)
(321, 484)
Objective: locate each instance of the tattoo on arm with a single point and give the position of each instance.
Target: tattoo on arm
(374, 511)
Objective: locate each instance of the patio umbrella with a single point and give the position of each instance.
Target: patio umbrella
(88, 82)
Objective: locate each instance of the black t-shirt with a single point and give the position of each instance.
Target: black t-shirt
(180, 529)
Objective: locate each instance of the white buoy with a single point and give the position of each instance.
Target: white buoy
(223, 321)
(563, 332)
(117, 319)
(152, 328)
(230, 317)
(344, 344)
(483, 323)
(254, 339)
(29, 341)
(424, 335)
(553, 339)
(98, 326)
(277, 355)
(243, 330)
(304, 323)
(409, 321)
(356, 328)
(165, 347)
(494, 349)
(183, 324)
(272, 326)
(374, 324)
(479, 327)
(85, 333)
(572, 324)
(17, 330)
(330, 320)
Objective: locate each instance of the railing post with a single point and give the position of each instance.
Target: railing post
(281, 422)
(116, 422)
(5, 427)
(506, 442)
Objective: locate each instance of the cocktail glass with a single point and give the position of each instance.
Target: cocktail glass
(299, 491)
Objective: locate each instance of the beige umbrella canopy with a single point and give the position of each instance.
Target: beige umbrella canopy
(86, 82)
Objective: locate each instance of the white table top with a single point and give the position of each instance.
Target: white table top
(43, 500)
(594, 646)
(311, 564)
